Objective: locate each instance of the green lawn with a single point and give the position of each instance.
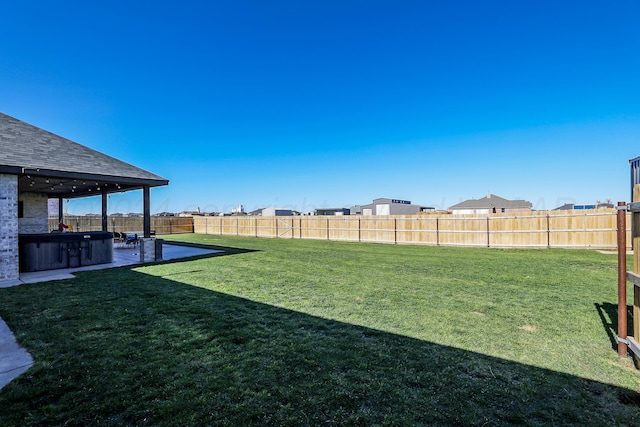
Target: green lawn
(296, 332)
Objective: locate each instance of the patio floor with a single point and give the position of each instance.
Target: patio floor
(121, 257)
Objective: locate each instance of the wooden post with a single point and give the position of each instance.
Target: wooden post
(395, 230)
(488, 234)
(328, 228)
(622, 279)
(548, 232)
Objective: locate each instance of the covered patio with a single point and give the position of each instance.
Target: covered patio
(37, 165)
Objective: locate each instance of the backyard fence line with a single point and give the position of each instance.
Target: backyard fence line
(590, 229)
(161, 225)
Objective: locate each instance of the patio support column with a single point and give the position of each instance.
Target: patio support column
(146, 199)
(104, 210)
(60, 210)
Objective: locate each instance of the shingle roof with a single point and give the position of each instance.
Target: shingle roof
(492, 201)
(35, 151)
(28, 146)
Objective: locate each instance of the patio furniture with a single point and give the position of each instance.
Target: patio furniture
(118, 239)
(130, 239)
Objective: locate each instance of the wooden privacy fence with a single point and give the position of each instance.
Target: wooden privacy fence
(559, 229)
(161, 225)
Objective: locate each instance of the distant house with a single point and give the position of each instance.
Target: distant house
(276, 212)
(384, 206)
(333, 211)
(574, 207)
(490, 204)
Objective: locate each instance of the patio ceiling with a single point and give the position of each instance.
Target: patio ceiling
(68, 185)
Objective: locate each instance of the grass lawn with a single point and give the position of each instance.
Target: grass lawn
(297, 332)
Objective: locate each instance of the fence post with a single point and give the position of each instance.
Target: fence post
(488, 235)
(622, 279)
(328, 228)
(548, 232)
(395, 230)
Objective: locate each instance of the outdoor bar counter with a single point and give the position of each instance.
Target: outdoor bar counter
(50, 251)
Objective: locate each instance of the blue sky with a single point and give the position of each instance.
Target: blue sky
(307, 104)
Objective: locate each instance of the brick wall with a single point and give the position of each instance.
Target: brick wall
(36, 213)
(9, 267)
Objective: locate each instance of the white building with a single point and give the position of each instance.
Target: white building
(384, 206)
(276, 212)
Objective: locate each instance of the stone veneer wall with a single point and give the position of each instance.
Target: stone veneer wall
(9, 263)
(36, 213)
(147, 249)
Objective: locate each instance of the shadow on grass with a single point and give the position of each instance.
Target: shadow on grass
(228, 250)
(608, 313)
(225, 251)
(127, 348)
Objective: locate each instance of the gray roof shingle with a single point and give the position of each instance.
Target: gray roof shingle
(30, 147)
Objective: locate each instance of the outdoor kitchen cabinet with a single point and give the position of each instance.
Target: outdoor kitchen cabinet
(52, 251)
